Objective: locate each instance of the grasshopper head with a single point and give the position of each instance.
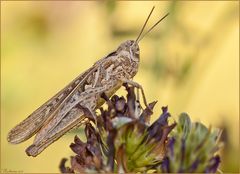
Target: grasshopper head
(130, 49)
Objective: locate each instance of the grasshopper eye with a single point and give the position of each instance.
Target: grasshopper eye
(132, 43)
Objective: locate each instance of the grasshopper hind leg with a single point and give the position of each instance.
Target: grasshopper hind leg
(71, 120)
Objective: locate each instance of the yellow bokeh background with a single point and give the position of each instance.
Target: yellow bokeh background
(190, 62)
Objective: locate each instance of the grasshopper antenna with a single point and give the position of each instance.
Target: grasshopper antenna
(144, 24)
(153, 27)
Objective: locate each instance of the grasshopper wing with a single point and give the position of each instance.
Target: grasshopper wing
(28, 127)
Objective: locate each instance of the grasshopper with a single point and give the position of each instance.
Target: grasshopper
(78, 101)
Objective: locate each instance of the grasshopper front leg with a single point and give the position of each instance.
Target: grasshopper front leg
(137, 85)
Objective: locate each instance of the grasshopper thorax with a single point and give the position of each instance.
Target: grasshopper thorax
(128, 54)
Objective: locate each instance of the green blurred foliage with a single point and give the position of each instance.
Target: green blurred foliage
(189, 62)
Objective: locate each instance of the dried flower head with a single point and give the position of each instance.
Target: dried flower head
(122, 140)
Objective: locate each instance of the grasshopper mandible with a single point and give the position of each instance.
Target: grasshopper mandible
(66, 110)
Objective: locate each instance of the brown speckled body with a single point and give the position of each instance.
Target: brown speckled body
(64, 111)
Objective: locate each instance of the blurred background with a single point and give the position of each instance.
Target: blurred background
(189, 62)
